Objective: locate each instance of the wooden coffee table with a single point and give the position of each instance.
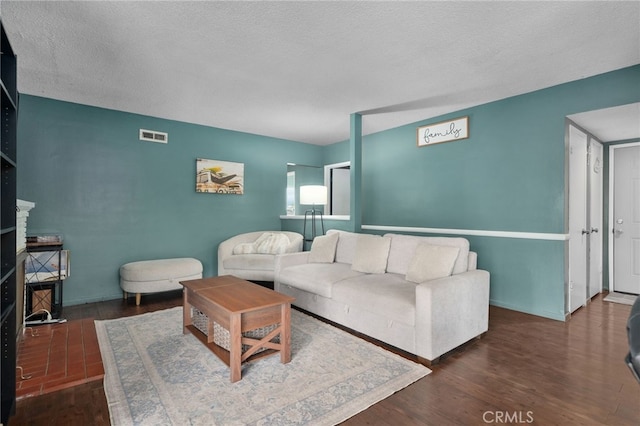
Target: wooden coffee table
(239, 306)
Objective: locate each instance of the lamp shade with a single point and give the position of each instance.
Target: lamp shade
(313, 194)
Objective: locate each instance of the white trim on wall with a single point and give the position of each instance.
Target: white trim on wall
(475, 232)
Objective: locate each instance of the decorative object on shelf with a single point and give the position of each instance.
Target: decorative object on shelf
(445, 131)
(22, 214)
(219, 177)
(313, 195)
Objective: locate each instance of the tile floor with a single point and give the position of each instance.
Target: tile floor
(57, 356)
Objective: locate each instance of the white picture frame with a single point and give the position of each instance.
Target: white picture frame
(444, 131)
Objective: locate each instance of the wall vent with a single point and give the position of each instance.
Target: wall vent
(153, 136)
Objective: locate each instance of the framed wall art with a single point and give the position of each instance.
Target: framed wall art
(219, 177)
(445, 131)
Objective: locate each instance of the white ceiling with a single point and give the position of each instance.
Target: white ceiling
(297, 70)
(611, 124)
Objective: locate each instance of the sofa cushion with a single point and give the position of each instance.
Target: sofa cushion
(404, 246)
(346, 247)
(430, 262)
(271, 243)
(323, 249)
(389, 295)
(254, 261)
(371, 254)
(317, 278)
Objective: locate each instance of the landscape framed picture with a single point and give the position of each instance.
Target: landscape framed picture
(219, 177)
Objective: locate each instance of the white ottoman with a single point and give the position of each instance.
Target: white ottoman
(154, 276)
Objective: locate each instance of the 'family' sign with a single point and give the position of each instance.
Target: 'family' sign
(445, 131)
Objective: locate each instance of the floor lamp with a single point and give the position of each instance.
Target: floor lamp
(314, 195)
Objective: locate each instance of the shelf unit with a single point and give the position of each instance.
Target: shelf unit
(44, 284)
(8, 230)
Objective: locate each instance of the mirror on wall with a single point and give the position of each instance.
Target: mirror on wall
(336, 177)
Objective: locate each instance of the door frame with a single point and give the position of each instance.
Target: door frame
(611, 219)
(600, 207)
(574, 272)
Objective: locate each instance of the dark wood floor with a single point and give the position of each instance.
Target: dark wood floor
(526, 370)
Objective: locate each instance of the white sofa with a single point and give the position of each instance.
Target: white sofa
(423, 295)
(251, 256)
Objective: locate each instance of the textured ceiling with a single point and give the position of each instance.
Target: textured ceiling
(297, 70)
(611, 124)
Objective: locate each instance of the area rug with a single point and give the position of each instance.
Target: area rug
(626, 299)
(156, 375)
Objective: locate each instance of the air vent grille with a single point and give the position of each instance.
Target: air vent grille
(153, 136)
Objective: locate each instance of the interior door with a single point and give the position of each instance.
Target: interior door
(595, 216)
(578, 232)
(626, 220)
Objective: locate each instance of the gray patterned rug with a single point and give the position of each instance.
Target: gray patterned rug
(155, 375)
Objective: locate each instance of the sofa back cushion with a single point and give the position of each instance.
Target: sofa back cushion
(372, 252)
(431, 262)
(346, 248)
(323, 248)
(403, 248)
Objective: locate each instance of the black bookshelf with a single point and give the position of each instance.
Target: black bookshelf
(8, 309)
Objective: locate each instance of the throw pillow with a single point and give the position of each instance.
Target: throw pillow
(323, 249)
(371, 254)
(430, 262)
(272, 243)
(244, 248)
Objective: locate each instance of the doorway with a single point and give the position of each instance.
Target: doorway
(624, 218)
(337, 179)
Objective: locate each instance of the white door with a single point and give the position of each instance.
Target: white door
(595, 216)
(626, 220)
(578, 233)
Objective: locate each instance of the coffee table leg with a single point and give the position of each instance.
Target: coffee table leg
(235, 350)
(285, 333)
(186, 311)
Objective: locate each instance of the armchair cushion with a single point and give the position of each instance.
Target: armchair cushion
(244, 248)
(272, 243)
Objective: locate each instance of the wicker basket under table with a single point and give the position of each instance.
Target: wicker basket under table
(221, 334)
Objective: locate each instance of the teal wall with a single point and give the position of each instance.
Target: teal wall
(509, 175)
(336, 153)
(116, 199)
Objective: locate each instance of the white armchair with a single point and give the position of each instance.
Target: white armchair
(251, 256)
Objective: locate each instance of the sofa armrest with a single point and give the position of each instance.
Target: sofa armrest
(451, 311)
(290, 259)
(286, 260)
